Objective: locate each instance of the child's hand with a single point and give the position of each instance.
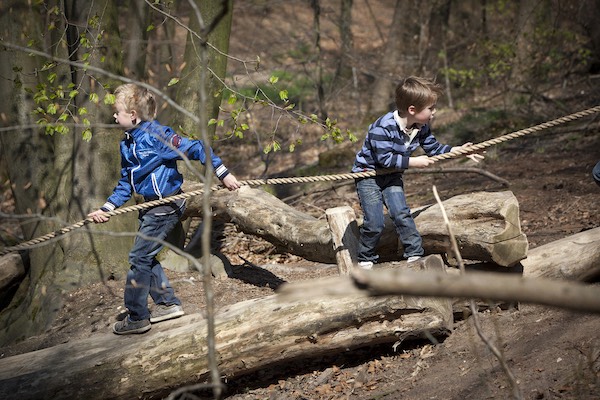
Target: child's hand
(99, 216)
(473, 156)
(420, 162)
(231, 182)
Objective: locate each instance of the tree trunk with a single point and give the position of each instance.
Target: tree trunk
(249, 336)
(383, 87)
(344, 67)
(344, 232)
(575, 257)
(216, 17)
(486, 286)
(486, 225)
(136, 45)
(59, 176)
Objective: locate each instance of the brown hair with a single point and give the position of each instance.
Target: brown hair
(134, 97)
(417, 92)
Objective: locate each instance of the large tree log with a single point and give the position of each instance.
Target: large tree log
(249, 335)
(575, 257)
(486, 226)
(471, 285)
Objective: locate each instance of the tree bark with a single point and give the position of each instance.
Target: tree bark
(249, 335)
(472, 284)
(575, 258)
(383, 88)
(486, 225)
(344, 231)
(214, 29)
(51, 175)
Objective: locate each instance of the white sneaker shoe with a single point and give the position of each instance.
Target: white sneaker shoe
(366, 264)
(413, 258)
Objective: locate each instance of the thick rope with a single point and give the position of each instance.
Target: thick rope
(305, 179)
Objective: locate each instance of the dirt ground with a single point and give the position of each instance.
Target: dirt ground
(553, 354)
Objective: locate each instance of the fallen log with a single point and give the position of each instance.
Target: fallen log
(486, 225)
(249, 335)
(471, 285)
(576, 257)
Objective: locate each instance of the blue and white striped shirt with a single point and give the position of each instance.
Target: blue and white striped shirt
(386, 145)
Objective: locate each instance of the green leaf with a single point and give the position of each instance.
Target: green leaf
(212, 121)
(82, 111)
(109, 99)
(94, 98)
(150, 28)
(273, 79)
(73, 93)
(283, 95)
(52, 77)
(173, 81)
(87, 135)
(232, 99)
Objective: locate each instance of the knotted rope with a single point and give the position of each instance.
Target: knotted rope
(305, 179)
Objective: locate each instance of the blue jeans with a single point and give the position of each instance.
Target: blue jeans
(146, 276)
(373, 194)
(596, 173)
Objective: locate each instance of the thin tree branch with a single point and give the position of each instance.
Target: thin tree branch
(475, 315)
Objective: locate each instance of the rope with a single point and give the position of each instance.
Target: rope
(305, 179)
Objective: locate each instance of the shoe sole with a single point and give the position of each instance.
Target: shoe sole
(176, 314)
(143, 329)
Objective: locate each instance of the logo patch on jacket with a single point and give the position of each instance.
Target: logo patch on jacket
(175, 140)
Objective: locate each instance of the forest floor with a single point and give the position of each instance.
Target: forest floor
(554, 354)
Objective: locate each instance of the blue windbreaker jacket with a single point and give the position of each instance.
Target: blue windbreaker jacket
(149, 154)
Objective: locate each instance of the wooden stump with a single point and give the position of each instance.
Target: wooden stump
(344, 230)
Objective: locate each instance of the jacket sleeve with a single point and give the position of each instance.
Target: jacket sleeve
(175, 147)
(430, 144)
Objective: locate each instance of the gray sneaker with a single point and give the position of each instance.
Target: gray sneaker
(127, 326)
(163, 312)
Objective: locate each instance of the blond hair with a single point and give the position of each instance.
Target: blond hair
(417, 92)
(133, 97)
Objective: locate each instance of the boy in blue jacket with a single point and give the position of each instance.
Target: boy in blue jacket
(149, 154)
(388, 147)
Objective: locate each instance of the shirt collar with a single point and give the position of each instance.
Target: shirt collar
(402, 122)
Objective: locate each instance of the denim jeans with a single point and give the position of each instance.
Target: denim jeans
(146, 276)
(373, 194)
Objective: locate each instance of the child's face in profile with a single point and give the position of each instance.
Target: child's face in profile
(424, 116)
(124, 118)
